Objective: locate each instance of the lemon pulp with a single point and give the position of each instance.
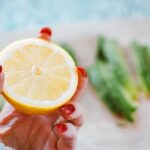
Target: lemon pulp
(39, 75)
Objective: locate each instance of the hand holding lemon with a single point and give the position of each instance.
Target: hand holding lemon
(39, 78)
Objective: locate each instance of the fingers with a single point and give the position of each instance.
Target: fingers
(66, 134)
(66, 131)
(53, 117)
(82, 82)
(73, 113)
(8, 118)
(6, 128)
(8, 112)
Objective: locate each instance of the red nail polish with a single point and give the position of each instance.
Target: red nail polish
(1, 68)
(46, 33)
(46, 30)
(68, 109)
(83, 71)
(61, 128)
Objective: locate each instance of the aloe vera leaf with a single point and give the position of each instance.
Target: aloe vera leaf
(109, 52)
(142, 65)
(110, 91)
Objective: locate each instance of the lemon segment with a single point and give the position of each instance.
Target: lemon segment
(39, 75)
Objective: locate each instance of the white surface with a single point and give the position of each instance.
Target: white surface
(101, 130)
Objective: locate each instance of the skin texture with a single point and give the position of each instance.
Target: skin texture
(43, 132)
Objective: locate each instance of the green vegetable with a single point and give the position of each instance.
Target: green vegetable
(141, 57)
(111, 79)
(109, 52)
(67, 47)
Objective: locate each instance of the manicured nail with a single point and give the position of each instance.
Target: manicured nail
(46, 30)
(1, 68)
(61, 128)
(68, 109)
(46, 33)
(83, 71)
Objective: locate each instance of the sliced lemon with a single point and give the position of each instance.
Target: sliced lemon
(39, 75)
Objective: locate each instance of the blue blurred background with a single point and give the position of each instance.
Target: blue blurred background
(19, 14)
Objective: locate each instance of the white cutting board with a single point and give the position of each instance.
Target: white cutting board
(101, 130)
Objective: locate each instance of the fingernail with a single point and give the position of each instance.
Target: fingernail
(61, 128)
(1, 68)
(68, 109)
(46, 30)
(83, 71)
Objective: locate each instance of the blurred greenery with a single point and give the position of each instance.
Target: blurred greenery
(141, 59)
(111, 79)
(70, 50)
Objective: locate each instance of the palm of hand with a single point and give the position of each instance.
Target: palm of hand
(24, 132)
(29, 132)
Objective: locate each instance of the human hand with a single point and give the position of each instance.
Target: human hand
(56, 131)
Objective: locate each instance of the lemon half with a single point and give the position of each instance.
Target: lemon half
(39, 75)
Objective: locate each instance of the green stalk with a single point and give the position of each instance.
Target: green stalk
(111, 79)
(108, 51)
(111, 91)
(141, 57)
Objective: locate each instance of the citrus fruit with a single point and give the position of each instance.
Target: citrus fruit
(39, 75)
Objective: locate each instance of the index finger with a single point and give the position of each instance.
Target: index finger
(8, 113)
(82, 83)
